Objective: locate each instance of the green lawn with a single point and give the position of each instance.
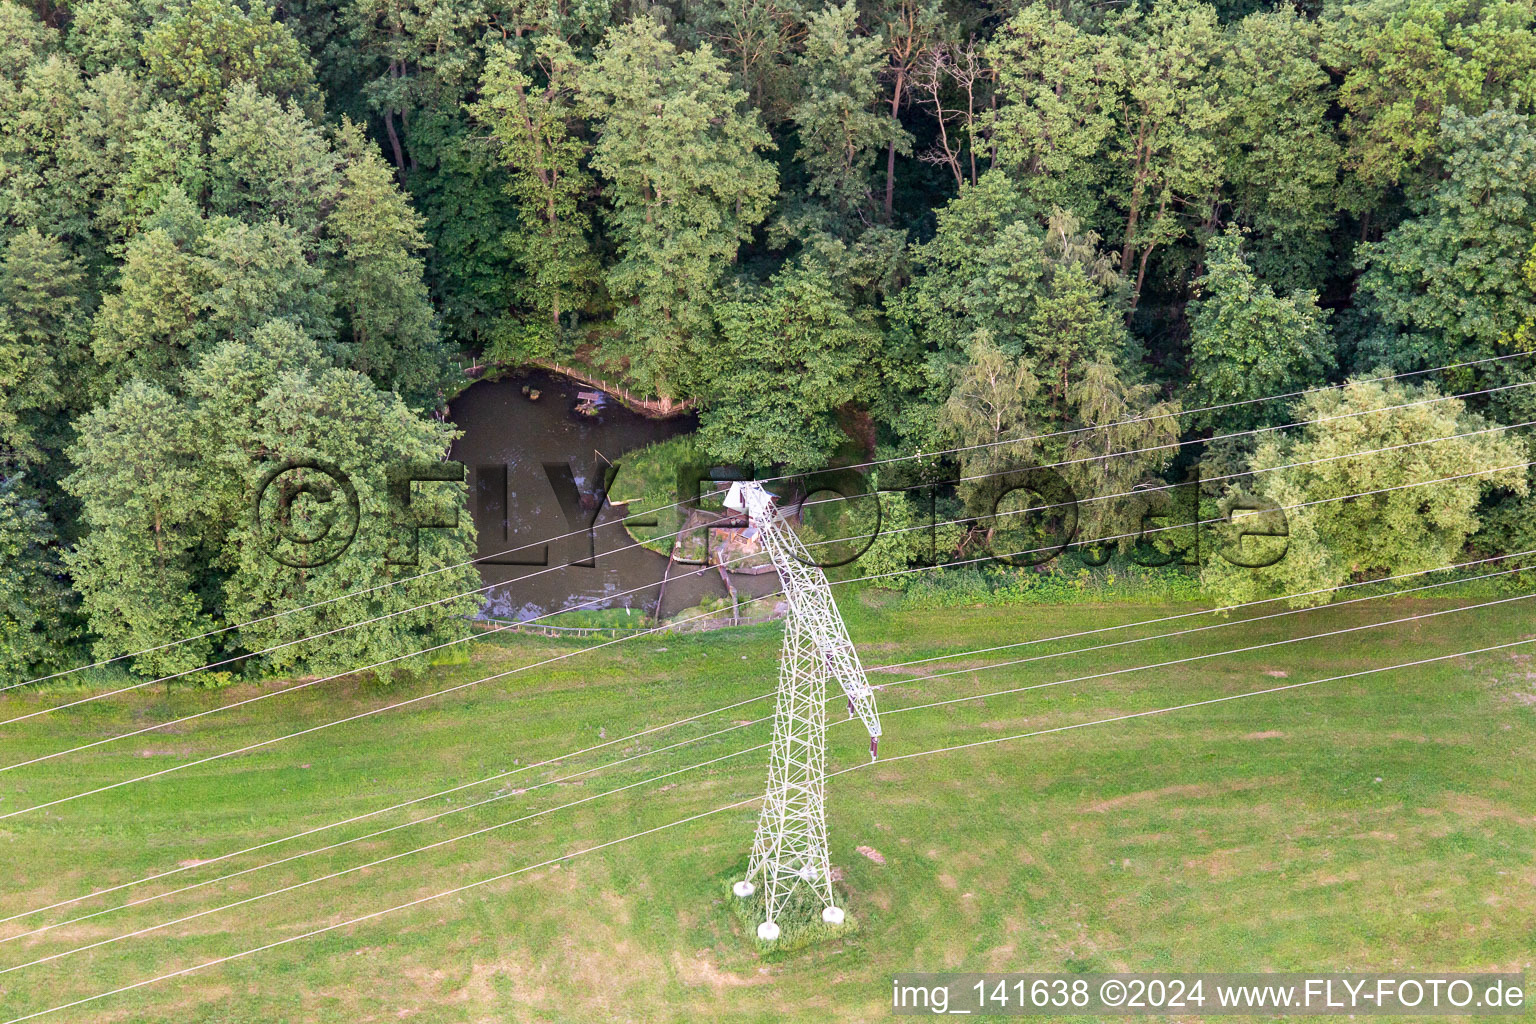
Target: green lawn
(1386, 821)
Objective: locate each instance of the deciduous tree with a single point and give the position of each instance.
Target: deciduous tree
(1164, 148)
(168, 486)
(1280, 152)
(1246, 342)
(1058, 90)
(1449, 279)
(682, 169)
(42, 340)
(793, 353)
(839, 131)
(1389, 532)
(537, 135)
(200, 48)
(35, 628)
(375, 277)
(140, 568)
(1403, 62)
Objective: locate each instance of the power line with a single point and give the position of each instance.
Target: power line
(262, 743)
(381, 913)
(729, 707)
(1178, 444)
(1099, 675)
(1223, 437)
(203, 862)
(1244, 604)
(315, 728)
(1159, 529)
(720, 732)
(1185, 660)
(481, 831)
(365, 622)
(1136, 492)
(382, 860)
(385, 831)
(1200, 703)
(378, 664)
(610, 597)
(1183, 412)
(342, 597)
(288, 940)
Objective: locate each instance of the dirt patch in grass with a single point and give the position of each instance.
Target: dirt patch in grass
(1183, 792)
(698, 971)
(880, 645)
(1217, 863)
(1480, 808)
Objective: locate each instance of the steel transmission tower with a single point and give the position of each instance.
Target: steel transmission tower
(790, 848)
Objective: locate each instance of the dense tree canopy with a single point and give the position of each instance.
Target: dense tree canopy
(800, 328)
(686, 184)
(1448, 281)
(165, 484)
(35, 628)
(233, 232)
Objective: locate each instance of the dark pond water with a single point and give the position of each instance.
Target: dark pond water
(536, 472)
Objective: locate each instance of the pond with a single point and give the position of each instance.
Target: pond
(548, 538)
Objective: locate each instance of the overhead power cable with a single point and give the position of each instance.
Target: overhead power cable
(609, 597)
(460, 686)
(374, 915)
(491, 828)
(1179, 413)
(729, 707)
(368, 590)
(758, 721)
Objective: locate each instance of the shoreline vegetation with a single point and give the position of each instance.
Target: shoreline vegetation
(660, 408)
(980, 589)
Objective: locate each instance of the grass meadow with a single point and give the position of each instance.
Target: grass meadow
(1386, 821)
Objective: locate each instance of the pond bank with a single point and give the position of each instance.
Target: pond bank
(548, 539)
(661, 408)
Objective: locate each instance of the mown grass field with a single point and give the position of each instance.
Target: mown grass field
(1380, 822)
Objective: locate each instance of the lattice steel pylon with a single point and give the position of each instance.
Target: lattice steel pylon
(790, 847)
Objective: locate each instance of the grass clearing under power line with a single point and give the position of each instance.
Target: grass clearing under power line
(1248, 835)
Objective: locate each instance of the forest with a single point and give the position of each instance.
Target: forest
(232, 233)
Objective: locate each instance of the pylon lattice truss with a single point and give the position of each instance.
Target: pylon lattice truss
(790, 847)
